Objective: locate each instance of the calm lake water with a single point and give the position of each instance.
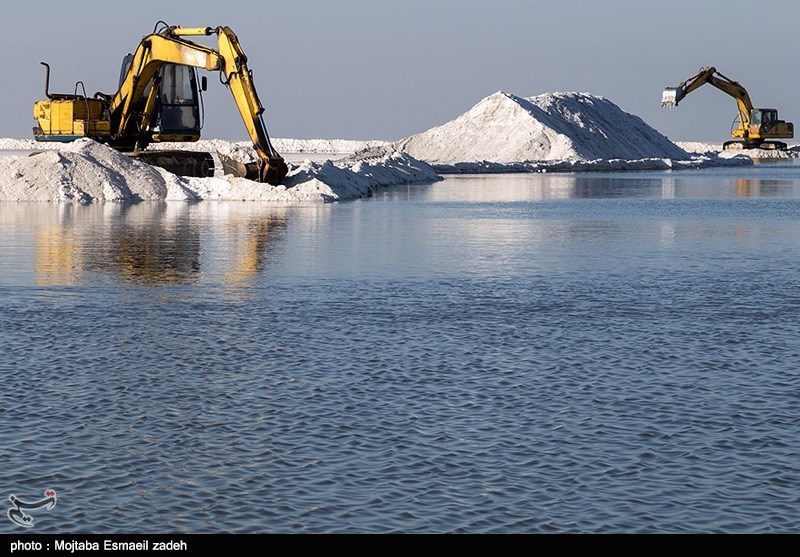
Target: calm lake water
(521, 353)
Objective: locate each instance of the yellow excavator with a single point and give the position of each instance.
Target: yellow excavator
(753, 128)
(159, 100)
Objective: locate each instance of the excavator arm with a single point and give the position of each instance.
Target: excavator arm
(673, 95)
(753, 128)
(131, 118)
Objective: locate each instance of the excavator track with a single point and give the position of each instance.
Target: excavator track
(767, 145)
(182, 163)
(774, 145)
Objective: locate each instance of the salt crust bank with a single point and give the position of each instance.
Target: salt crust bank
(552, 132)
(72, 546)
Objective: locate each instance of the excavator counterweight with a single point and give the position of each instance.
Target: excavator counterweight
(159, 100)
(753, 127)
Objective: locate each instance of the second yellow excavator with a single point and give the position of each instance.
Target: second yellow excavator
(159, 100)
(753, 128)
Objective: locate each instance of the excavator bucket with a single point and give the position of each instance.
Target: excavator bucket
(672, 96)
(272, 172)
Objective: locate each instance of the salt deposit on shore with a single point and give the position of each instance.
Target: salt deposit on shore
(716, 149)
(554, 132)
(505, 128)
(699, 147)
(85, 171)
(332, 146)
(598, 165)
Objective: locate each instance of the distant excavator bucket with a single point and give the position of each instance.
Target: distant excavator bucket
(272, 172)
(672, 96)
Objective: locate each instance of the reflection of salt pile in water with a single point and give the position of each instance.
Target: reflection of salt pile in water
(504, 128)
(86, 171)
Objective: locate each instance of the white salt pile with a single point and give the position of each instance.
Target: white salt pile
(504, 128)
(282, 145)
(309, 181)
(80, 171)
(332, 146)
(86, 171)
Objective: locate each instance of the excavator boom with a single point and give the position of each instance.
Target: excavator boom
(673, 95)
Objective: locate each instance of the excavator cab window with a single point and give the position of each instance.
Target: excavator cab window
(178, 104)
(763, 119)
(126, 64)
(768, 119)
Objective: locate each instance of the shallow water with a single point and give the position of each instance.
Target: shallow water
(538, 353)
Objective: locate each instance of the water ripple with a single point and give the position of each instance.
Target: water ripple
(610, 390)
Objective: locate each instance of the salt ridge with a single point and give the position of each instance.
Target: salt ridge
(554, 132)
(282, 145)
(85, 171)
(598, 165)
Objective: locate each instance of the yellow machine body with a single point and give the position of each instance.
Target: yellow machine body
(66, 120)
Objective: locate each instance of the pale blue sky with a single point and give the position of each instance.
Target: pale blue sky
(367, 69)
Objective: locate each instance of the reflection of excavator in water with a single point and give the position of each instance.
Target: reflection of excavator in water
(153, 244)
(159, 100)
(752, 128)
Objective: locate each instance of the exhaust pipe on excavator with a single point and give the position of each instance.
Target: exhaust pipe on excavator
(47, 80)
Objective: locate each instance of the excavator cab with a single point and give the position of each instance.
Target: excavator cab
(764, 124)
(178, 114)
(762, 120)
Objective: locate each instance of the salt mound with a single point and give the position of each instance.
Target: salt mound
(80, 171)
(504, 128)
(309, 181)
(85, 171)
(333, 146)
